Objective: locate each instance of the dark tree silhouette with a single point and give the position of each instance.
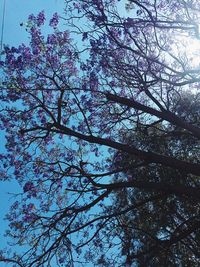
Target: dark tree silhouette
(161, 225)
(102, 134)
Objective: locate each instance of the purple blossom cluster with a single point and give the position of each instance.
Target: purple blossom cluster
(38, 20)
(30, 189)
(54, 20)
(28, 186)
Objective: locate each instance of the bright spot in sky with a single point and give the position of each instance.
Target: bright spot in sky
(188, 50)
(193, 50)
(185, 53)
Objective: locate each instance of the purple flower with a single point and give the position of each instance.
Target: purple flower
(54, 21)
(31, 18)
(51, 39)
(30, 217)
(77, 7)
(93, 81)
(14, 50)
(28, 186)
(27, 54)
(129, 21)
(40, 18)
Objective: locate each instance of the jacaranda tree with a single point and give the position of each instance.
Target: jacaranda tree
(102, 127)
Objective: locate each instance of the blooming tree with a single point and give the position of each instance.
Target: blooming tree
(101, 133)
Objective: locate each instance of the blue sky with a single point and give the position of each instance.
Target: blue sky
(17, 11)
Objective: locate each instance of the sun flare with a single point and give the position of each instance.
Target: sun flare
(189, 50)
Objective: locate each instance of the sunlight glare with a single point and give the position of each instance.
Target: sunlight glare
(189, 49)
